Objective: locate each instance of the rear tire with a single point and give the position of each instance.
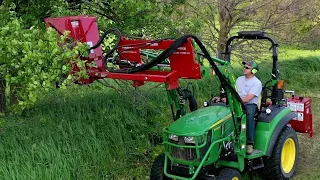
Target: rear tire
(283, 160)
(157, 169)
(229, 174)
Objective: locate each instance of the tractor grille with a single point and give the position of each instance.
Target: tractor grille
(188, 154)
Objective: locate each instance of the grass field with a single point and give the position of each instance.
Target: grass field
(96, 133)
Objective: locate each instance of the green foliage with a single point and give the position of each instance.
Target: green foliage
(148, 18)
(32, 13)
(31, 61)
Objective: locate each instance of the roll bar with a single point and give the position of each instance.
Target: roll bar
(256, 35)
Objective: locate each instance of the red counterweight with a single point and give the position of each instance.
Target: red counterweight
(302, 108)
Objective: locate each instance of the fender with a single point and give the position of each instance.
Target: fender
(284, 121)
(268, 130)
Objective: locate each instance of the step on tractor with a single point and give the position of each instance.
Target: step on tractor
(207, 142)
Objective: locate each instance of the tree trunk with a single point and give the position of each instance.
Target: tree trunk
(222, 41)
(224, 21)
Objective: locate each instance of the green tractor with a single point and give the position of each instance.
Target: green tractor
(210, 143)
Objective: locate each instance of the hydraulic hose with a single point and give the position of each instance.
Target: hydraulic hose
(108, 31)
(104, 35)
(193, 105)
(174, 46)
(164, 55)
(187, 95)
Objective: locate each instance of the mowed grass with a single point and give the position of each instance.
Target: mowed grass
(292, 54)
(92, 132)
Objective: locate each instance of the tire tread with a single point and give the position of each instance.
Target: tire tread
(272, 165)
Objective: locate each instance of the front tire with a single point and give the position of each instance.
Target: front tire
(157, 169)
(229, 174)
(283, 160)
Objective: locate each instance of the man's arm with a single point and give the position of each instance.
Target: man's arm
(254, 91)
(248, 98)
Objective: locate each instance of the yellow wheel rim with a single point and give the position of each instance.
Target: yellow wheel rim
(235, 178)
(288, 155)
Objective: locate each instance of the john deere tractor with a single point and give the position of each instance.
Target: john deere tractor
(211, 142)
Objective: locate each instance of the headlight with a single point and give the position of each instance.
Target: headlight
(201, 138)
(173, 137)
(190, 139)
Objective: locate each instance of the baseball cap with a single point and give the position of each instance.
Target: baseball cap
(251, 63)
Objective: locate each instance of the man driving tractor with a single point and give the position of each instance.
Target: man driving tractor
(249, 89)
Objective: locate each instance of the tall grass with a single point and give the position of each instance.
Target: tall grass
(84, 133)
(93, 132)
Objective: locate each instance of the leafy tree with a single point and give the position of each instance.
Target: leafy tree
(222, 18)
(148, 18)
(33, 12)
(31, 61)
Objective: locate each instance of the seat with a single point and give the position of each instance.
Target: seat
(262, 103)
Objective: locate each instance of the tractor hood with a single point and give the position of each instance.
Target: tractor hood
(198, 122)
